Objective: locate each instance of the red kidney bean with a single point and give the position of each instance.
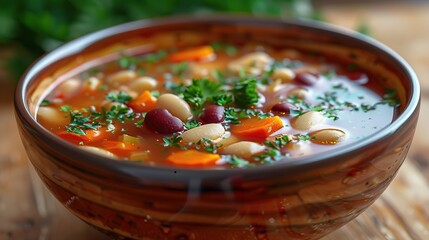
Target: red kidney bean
(161, 121)
(283, 108)
(307, 79)
(213, 114)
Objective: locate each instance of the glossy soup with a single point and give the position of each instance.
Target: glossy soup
(218, 105)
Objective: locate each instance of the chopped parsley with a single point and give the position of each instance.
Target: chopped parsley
(207, 145)
(237, 162)
(172, 141)
(65, 108)
(192, 124)
(229, 49)
(120, 97)
(155, 56)
(45, 102)
(127, 62)
(245, 93)
(179, 69)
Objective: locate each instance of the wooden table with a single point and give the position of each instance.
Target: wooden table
(402, 212)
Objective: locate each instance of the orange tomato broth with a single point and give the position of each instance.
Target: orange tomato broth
(356, 91)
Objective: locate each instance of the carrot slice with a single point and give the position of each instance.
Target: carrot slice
(256, 127)
(90, 136)
(193, 54)
(143, 103)
(119, 148)
(193, 158)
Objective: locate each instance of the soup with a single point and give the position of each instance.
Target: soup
(218, 105)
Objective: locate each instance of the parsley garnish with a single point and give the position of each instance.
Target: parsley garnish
(120, 97)
(179, 69)
(65, 108)
(236, 161)
(245, 93)
(207, 145)
(155, 57)
(172, 141)
(45, 102)
(200, 91)
(229, 49)
(390, 98)
(192, 124)
(127, 62)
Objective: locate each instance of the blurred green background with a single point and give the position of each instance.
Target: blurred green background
(29, 28)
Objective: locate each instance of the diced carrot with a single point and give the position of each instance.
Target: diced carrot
(119, 148)
(143, 103)
(193, 158)
(90, 136)
(193, 54)
(256, 127)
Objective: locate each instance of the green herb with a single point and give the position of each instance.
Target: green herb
(172, 141)
(390, 98)
(229, 49)
(340, 86)
(200, 91)
(268, 156)
(245, 93)
(79, 123)
(65, 108)
(207, 145)
(363, 28)
(304, 137)
(45, 102)
(141, 72)
(155, 94)
(179, 69)
(192, 124)
(120, 97)
(155, 57)
(90, 73)
(120, 113)
(222, 99)
(278, 142)
(139, 123)
(127, 62)
(236, 161)
(233, 115)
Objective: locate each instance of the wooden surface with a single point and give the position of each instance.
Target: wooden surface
(402, 212)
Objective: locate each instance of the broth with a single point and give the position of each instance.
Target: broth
(218, 105)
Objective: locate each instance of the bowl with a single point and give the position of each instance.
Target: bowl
(302, 199)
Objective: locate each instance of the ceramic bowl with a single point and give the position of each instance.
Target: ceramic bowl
(302, 199)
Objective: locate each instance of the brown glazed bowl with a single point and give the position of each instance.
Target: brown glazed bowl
(302, 199)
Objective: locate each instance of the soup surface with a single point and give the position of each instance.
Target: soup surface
(218, 105)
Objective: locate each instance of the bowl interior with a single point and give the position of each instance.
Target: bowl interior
(149, 35)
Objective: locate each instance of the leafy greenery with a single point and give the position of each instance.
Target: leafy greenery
(37, 26)
(120, 97)
(245, 93)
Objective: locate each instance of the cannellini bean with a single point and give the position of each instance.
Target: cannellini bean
(53, 116)
(300, 93)
(284, 74)
(122, 77)
(244, 149)
(98, 151)
(210, 131)
(68, 87)
(175, 105)
(328, 136)
(140, 156)
(91, 83)
(227, 139)
(253, 63)
(307, 120)
(142, 84)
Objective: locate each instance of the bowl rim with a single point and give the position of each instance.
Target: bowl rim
(138, 171)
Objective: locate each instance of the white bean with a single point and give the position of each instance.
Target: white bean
(244, 149)
(98, 151)
(307, 120)
(284, 74)
(328, 136)
(142, 84)
(175, 105)
(210, 131)
(122, 77)
(227, 139)
(53, 116)
(91, 83)
(68, 87)
(254, 63)
(300, 93)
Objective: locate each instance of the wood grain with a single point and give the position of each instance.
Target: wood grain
(27, 211)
